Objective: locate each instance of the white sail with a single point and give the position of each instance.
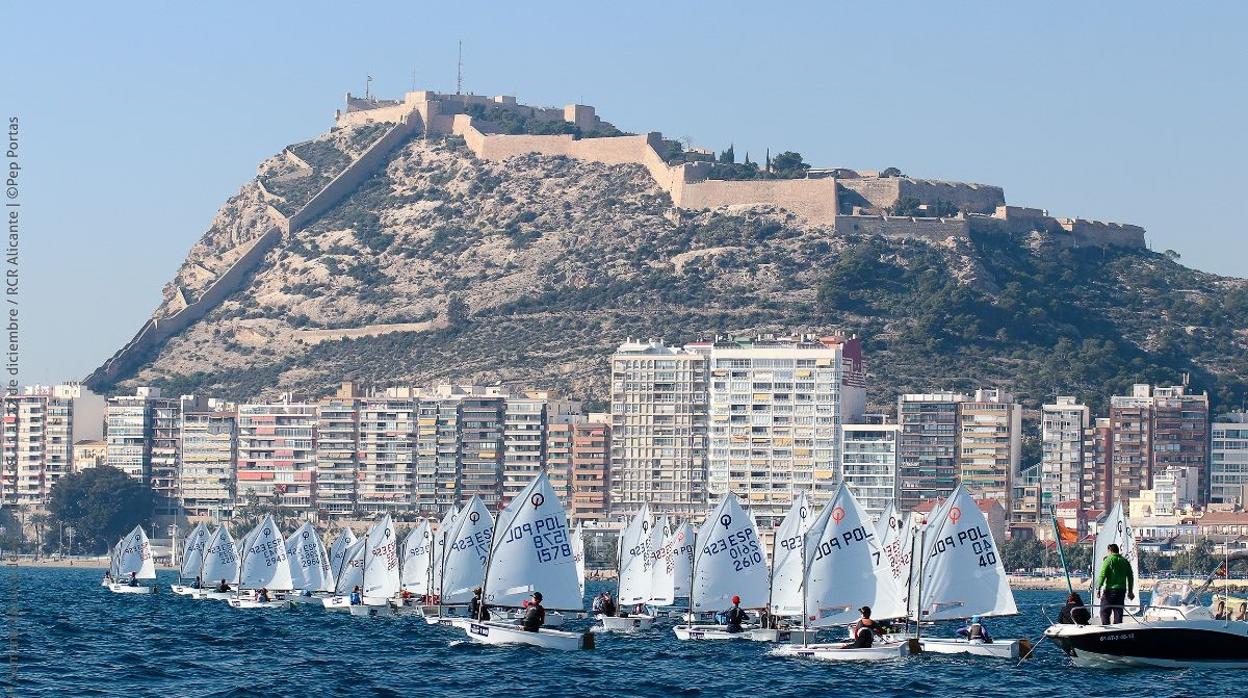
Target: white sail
(636, 547)
(675, 560)
(532, 551)
(467, 548)
(896, 538)
(962, 571)
(309, 563)
(888, 520)
(729, 560)
(136, 556)
(381, 562)
(845, 568)
(418, 558)
(786, 558)
(220, 558)
(1116, 530)
(351, 571)
(265, 564)
(578, 554)
(338, 550)
(441, 537)
(193, 554)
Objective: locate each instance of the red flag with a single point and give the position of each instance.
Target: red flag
(1068, 536)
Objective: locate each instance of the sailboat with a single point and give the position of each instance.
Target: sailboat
(1176, 630)
(263, 567)
(785, 596)
(348, 576)
(192, 561)
(962, 577)
(220, 566)
(578, 554)
(842, 571)
(134, 556)
(381, 576)
(310, 571)
(636, 573)
(465, 549)
(339, 550)
(417, 569)
(728, 562)
(673, 567)
(532, 552)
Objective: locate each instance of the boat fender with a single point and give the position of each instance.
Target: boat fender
(915, 646)
(587, 641)
(1024, 648)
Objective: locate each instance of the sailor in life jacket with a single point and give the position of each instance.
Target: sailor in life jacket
(975, 631)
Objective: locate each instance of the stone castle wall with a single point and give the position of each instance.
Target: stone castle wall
(969, 198)
(933, 229)
(813, 200)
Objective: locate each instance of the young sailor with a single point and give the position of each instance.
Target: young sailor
(1118, 581)
(975, 630)
(476, 609)
(535, 615)
(736, 616)
(1074, 612)
(863, 631)
(223, 587)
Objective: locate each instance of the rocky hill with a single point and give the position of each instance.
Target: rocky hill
(546, 263)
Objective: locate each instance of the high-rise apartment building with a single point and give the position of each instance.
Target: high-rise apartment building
(1130, 417)
(387, 452)
(1181, 435)
(208, 445)
(524, 447)
(869, 462)
(1062, 428)
(1096, 492)
(481, 437)
(128, 431)
(38, 445)
(776, 409)
(277, 453)
(990, 444)
(1228, 459)
(658, 429)
(927, 452)
(338, 451)
(591, 469)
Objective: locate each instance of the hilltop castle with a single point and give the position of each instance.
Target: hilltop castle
(847, 200)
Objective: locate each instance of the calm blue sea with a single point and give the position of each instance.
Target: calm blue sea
(65, 635)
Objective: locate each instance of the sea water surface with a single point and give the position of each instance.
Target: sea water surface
(66, 635)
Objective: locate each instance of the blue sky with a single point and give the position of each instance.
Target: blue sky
(139, 119)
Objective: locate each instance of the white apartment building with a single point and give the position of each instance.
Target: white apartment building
(38, 445)
(1062, 427)
(990, 442)
(658, 429)
(387, 452)
(337, 451)
(869, 462)
(1228, 459)
(777, 405)
(276, 453)
(524, 448)
(208, 448)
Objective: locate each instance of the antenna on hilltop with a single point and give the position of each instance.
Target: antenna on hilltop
(459, 73)
(367, 84)
(413, 79)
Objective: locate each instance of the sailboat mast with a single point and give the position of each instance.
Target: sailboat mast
(918, 592)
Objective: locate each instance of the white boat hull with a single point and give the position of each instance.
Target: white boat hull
(206, 595)
(834, 652)
(999, 649)
(183, 589)
(711, 632)
(301, 600)
(243, 603)
(127, 589)
(554, 619)
(1197, 642)
(795, 635)
(495, 633)
(372, 610)
(336, 603)
(628, 624)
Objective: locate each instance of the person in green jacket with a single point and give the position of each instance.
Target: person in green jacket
(1118, 582)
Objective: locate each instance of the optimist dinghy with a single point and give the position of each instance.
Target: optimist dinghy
(842, 571)
(673, 569)
(134, 555)
(310, 571)
(192, 561)
(531, 553)
(464, 545)
(962, 576)
(264, 566)
(220, 565)
(785, 602)
(346, 575)
(728, 562)
(381, 578)
(416, 577)
(636, 574)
